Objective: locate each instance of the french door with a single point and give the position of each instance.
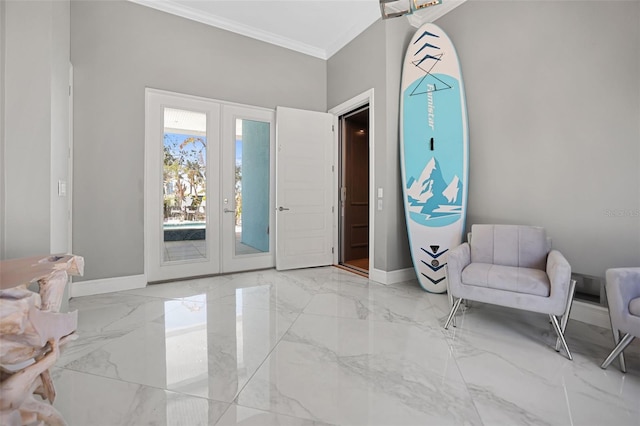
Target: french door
(247, 166)
(208, 186)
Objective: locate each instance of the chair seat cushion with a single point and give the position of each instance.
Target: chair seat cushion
(634, 307)
(507, 278)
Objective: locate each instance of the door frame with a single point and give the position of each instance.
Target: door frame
(352, 104)
(343, 169)
(70, 166)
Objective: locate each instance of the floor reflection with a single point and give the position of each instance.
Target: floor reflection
(186, 344)
(323, 346)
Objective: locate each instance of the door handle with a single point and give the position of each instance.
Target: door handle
(229, 211)
(282, 208)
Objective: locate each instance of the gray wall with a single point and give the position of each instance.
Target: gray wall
(374, 60)
(356, 68)
(36, 117)
(554, 118)
(399, 34)
(553, 95)
(61, 48)
(119, 48)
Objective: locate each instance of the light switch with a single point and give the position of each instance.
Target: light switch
(379, 204)
(62, 188)
(379, 193)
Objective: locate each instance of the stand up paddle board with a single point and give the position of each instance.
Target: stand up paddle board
(434, 152)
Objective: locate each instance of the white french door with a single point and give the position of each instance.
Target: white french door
(208, 187)
(248, 188)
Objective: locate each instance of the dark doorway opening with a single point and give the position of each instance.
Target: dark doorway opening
(354, 190)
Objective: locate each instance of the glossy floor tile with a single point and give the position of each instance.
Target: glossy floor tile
(323, 346)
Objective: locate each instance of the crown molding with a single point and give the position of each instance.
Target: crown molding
(430, 14)
(183, 11)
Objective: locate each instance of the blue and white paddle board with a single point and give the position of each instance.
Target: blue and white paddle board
(434, 153)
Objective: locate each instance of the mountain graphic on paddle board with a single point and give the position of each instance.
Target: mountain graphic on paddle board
(430, 195)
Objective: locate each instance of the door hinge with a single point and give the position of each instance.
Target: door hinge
(331, 250)
(333, 128)
(333, 209)
(333, 168)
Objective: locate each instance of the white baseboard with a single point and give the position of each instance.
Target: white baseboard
(392, 277)
(107, 285)
(590, 314)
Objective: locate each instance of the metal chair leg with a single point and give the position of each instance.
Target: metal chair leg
(449, 295)
(621, 346)
(455, 307)
(567, 311)
(616, 340)
(556, 326)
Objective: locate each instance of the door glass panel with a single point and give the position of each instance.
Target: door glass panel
(252, 187)
(184, 185)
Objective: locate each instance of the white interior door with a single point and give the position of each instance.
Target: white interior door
(182, 186)
(304, 188)
(248, 186)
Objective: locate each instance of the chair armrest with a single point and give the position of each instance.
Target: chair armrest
(559, 273)
(459, 258)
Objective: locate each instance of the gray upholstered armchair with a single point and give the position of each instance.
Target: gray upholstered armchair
(512, 266)
(623, 294)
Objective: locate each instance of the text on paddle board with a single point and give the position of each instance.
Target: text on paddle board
(430, 107)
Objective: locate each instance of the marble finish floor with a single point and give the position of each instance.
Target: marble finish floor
(323, 346)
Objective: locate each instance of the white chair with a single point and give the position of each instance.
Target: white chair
(512, 266)
(623, 294)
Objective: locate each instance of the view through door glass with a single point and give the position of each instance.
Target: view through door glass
(184, 185)
(252, 172)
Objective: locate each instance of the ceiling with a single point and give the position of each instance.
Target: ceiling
(314, 27)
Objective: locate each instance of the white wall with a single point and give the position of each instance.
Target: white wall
(117, 49)
(36, 117)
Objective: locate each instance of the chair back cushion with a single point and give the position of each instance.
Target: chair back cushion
(510, 245)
